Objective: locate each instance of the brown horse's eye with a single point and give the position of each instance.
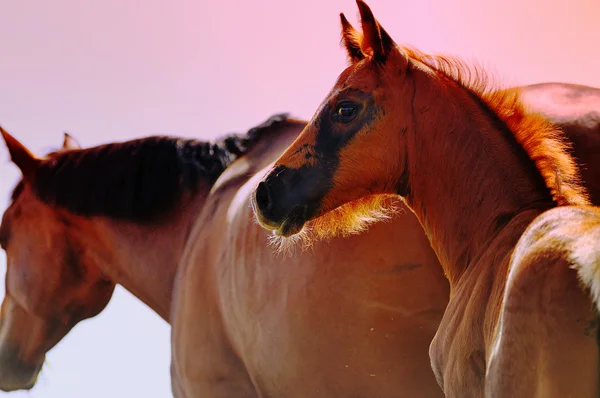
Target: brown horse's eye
(346, 111)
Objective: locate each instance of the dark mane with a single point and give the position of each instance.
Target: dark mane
(138, 180)
(241, 144)
(544, 143)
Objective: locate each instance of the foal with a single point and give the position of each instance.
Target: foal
(476, 169)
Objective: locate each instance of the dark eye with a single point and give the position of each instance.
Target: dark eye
(346, 111)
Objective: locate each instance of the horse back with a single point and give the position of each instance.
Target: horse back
(576, 109)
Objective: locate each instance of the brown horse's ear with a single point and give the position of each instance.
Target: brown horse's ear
(21, 156)
(69, 142)
(351, 39)
(375, 38)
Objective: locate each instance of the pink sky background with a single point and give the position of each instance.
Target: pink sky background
(117, 69)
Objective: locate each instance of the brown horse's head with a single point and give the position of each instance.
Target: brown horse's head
(392, 114)
(81, 220)
(371, 99)
(50, 285)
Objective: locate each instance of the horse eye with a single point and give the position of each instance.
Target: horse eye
(345, 112)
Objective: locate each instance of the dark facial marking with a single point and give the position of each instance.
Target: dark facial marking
(288, 197)
(336, 127)
(302, 190)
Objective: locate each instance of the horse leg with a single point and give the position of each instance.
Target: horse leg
(546, 342)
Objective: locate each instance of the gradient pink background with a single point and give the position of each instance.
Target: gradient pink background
(117, 69)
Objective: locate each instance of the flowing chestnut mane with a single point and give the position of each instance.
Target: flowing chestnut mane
(543, 141)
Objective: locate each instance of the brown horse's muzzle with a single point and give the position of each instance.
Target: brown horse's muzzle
(23, 341)
(287, 198)
(14, 373)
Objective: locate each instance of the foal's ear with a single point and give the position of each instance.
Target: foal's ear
(375, 38)
(69, 142)
(26, 161)
(351, 39)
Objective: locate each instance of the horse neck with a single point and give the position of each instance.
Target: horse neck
(143, 258)
(468, 177)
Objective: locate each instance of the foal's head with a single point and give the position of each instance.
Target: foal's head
(362, 140)
(348, 145)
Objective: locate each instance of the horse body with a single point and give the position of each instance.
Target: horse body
(546, 318)
(477, 170)
(350, 317)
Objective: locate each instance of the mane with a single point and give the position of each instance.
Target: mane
(240, 144)
(544, 142)
(138, 180)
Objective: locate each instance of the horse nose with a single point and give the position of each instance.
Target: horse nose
(263, 197)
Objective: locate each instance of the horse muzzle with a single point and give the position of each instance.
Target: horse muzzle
(286, 199)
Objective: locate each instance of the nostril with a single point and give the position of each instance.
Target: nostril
(263, 197)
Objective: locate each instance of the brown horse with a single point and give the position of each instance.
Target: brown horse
(476, 168)
(83, 220)
(349, 317)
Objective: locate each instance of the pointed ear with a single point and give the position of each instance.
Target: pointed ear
(70, 143)
(351, 39)
(21, 156)
(375, 39)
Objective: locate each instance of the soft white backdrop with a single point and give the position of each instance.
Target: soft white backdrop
(119, 69)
